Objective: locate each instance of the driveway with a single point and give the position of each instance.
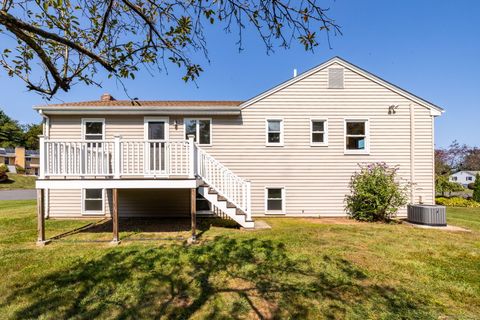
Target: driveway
(24, 194)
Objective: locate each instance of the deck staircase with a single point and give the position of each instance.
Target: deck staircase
(224, 189)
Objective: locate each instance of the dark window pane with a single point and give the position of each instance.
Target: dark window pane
(318, 126)
(93, 205)
(93, 127)
(274, 205)
(156, 130)
(317, 137)
(190, 128)
(274, 193)
(355, 127)
(204, 131)
(274, 125)
(93, 193)
(355, 143)
(274, 137)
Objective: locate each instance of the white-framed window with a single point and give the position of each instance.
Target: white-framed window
(454, 178)
(93, 129)
(357, 136)
(274, 132)
(201, 128)
(275, 200)
(318, 132)
(469, 178)
(93, 201)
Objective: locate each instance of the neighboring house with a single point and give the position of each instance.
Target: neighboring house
(27, 159)
(289, 151)
(464, 177)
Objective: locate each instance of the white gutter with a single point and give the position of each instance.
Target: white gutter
(137, 110)
(412, 153)
(46, 123)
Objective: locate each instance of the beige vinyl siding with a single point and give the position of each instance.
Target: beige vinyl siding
(315, 178)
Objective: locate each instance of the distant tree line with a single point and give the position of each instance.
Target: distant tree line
(456, 157)
(14, 134)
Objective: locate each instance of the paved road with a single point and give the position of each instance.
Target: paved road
(26, 194)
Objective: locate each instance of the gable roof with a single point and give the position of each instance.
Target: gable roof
(437, 110)
(470, 172)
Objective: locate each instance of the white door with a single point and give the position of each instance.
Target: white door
(156, 135)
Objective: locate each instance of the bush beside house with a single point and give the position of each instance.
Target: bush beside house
(3, 173)
(476, 189)
(457, 202)
(375, 193)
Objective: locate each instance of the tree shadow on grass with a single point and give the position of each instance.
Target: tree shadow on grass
(220, 279)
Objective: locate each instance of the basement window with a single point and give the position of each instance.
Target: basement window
(93, 201)
(275, 200)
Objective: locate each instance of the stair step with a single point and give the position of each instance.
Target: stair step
(240, 212)
(203, 185)
(220, 198)
(211, 191)
(230, 205)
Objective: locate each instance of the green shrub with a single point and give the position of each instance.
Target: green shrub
(375, 194)
(3, 172)
(443, 185)
(476, 188)
(457, 202)
(20, 170)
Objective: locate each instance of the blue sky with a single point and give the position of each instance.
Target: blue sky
(431, 48)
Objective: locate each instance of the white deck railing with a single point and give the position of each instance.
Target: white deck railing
(226, 183)
(117, 158)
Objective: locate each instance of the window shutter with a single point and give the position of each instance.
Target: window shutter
(335, 78)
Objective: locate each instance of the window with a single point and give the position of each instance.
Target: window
(201, 128)
(356, 137)
(93, 129)
(275, 200)
(93, 201)
(275, 132)
(469, 178)
(454, 178)
(335, 78)
(318, 136)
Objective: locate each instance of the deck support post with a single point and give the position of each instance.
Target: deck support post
(193, 212)
(116, 239)
(41, 218)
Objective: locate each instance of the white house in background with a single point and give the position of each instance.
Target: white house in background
(464, 177)
(290, 151)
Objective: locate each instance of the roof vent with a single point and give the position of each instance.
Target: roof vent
(335, 78)
(107, 97)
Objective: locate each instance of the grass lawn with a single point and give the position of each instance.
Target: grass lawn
(18, 181)
(298, 269)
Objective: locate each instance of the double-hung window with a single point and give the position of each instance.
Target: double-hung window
(201, 129)
(274, 132)
(356, 136)
(93, 201)
(275, 200)
(93, 129)
(318, 135)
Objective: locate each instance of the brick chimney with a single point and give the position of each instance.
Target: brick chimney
(107, 97)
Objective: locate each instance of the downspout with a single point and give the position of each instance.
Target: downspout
(46, 133)
(412, 154)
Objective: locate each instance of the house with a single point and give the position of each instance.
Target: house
(290, 151)
(464, 177)
(27, 159)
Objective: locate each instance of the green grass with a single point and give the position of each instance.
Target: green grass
(18, 181)
(298, 269)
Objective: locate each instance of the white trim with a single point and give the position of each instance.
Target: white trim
(85, 120)
(282, 132)
(325, 133)
(146, 120)
(351, 67)
(93, 213)
(197, 130)
(119, 184)
(275, 212)
(365, 151)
